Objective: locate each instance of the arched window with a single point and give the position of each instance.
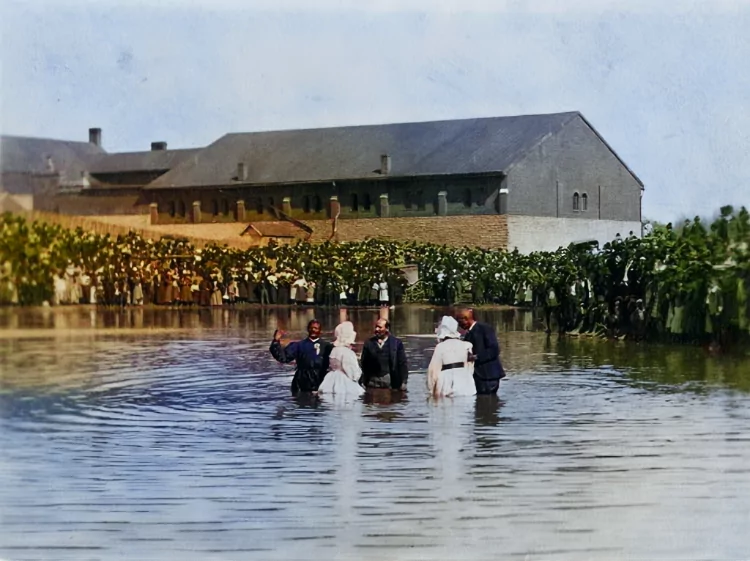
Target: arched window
(225, 207)
(355, 203)
(576, 201)
(181, 208)
(215, 207)
(467, 198)
(306, 203)
(366, 204)
(318, 204)
(172, 208)
(584, 202)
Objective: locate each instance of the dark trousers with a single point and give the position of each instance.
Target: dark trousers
(486, 386)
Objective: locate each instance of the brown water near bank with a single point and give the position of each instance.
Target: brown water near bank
(162, 434)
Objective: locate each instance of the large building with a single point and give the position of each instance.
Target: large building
(528, 182)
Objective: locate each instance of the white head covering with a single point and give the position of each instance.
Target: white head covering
(345, 334)
(448, 329)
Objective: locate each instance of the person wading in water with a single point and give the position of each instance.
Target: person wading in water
(310, 355)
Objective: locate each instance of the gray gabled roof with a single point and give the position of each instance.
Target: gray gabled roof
(465, 146)
(152, 160)
(22, 154)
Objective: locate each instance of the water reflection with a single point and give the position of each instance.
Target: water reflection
(171, 433)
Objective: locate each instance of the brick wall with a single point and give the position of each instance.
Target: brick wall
(489, 231)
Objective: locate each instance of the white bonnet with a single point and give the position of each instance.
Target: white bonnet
(448, 328)
(345, 334)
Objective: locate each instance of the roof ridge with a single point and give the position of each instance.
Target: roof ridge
(403, 123)
(62, 140)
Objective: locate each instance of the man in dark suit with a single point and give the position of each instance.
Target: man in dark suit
(485, 352)
(384, 360)
(310, 355)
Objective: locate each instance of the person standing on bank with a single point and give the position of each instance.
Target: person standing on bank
(384, 360)
(485, 353)
(311, 356)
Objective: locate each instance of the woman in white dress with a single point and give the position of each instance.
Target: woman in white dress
(449, 373)
(344, 370)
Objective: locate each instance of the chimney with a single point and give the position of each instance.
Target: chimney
(95, 137)
(241, 172)
(385, 164)
(158, 146)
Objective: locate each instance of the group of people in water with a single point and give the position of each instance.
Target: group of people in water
(466, 360)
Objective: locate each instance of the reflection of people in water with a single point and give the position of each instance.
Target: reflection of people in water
(383, 396)
(487, 410)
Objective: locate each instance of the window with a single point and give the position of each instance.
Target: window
(407, 200)
(225, 207)
(318, 204)
(172, 208)
(181, 208)
(419, 199)
(584, 202)
(366, 203)
(355, 203)
(306, 203)
(576, 202)
(215, 207)
(467, 198)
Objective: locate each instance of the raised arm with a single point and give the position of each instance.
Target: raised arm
(284, 355)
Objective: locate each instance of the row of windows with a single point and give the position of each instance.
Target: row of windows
(314, 203)
(580, 202)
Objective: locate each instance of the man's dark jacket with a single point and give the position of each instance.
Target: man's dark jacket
(311, 361)
(396, 372)
(487, 350)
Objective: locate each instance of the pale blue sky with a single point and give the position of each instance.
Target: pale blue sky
(667, 86)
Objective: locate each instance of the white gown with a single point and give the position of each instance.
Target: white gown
(456, 381)
(344, 374)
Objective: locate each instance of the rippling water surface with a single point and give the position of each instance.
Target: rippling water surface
(182, 442)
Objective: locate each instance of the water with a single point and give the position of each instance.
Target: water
(182, 442)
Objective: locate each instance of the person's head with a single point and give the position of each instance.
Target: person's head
(345, 335)
(448, 329)
(313, 329)
(465, 317)
(382, 328)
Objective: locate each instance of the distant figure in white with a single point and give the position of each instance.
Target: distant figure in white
(344, 370)
(450, 373)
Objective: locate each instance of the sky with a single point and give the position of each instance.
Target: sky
(665, 83)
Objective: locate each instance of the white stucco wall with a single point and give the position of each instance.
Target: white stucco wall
(537, 233)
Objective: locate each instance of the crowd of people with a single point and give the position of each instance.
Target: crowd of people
(464, 363)
(686, 283)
